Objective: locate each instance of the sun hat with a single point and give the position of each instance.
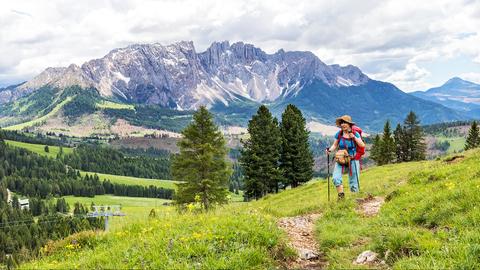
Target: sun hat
(344, 118)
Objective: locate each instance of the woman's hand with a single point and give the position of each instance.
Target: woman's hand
(358, 140)
(332, 148)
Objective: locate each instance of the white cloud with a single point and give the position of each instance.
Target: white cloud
(477, 59)
(386, 39)
(411, 77)
(471, 76)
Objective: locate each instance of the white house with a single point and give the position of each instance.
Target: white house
(24, 203)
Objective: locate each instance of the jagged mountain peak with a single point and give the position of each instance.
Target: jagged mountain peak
(175, 75)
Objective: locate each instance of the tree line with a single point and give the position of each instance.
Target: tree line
(276, 155)
(38, 138)
(107, 160)
(445, 128)
(37, 176)
(406, 143)
(24, 232)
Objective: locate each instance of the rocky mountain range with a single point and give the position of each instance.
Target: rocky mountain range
(235, 78)
(177, 76)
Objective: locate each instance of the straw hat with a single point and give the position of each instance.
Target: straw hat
(345, 118)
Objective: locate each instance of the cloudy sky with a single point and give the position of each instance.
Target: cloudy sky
(413, 44)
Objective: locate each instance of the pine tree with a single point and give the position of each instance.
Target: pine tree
(236, 180)
(201, 165)
(260, 155)
(473, 138)
(375, 152)
(413, 138)
(400, 146)
(387, 148)
(296, 160)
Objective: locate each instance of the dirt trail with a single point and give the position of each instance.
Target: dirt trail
(300, 233)
(370, 206)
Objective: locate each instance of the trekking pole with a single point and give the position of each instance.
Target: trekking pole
(328, 174)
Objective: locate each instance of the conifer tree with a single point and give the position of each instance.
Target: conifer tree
(202, 165)
(413, 138)
(236, 179)
(400, 146)
(296, 159)
(375, 152)
(260, 155)
(473, 138)
(387, 148)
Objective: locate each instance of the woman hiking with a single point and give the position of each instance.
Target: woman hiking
(346, 158)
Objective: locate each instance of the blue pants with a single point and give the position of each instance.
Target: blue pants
(352, 180)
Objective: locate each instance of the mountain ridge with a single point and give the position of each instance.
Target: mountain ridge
(176, 73)
(457, 94)
(232, 80)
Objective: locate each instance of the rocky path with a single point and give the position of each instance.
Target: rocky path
(370, 205)
(300, 233)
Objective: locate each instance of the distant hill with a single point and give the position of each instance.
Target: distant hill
(456, 93)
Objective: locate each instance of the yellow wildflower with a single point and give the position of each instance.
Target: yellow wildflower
(197, 235)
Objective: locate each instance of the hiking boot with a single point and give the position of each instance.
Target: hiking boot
(341, 196)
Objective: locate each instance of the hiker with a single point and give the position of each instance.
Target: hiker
(346, 158)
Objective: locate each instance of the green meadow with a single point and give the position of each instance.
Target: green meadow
(120, 179)
(429, 220)
(41, 118)
(40, 148)
(130, 180)
(136, 209)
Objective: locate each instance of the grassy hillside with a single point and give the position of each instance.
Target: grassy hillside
(120, 179)
(42, 118)
(429, 220)
(136, 209)
(104, 104)
(129, 180)
(219, 240)
(457, 144)
(40, 148)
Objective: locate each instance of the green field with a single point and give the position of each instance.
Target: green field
(120, 179)
(136, 209)
(40, 148)
(113, 105)
(429, 221)
(42, 118)
(457, 144)
(120, 200)
(130, 180)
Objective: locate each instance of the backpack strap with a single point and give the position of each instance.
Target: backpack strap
(350, 158)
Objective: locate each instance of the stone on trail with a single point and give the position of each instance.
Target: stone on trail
(366, 257)
(307, 254)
